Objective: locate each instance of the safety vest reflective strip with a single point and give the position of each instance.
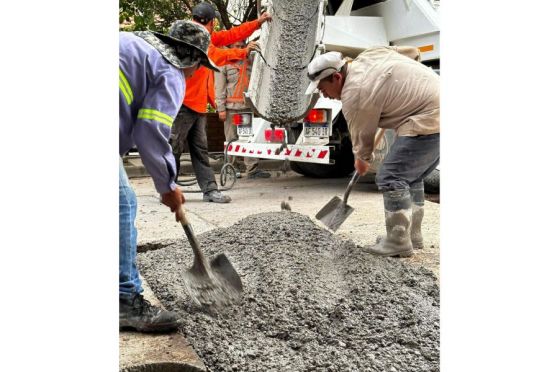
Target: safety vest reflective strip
(125, 88)
(156, 115)
(241, 86)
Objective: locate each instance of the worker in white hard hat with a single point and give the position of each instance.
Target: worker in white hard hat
(387, 87)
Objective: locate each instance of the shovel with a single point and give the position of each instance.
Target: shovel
(214, 283)
(336, 211)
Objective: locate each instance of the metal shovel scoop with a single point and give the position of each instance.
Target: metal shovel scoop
(336, 211)
(214, 283)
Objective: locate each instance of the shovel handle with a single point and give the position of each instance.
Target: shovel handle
(355, 176)
(200, 261)
(352, 182)
(182, 216)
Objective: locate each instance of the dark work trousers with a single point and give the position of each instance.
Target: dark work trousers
(409, 161)
(189, 131)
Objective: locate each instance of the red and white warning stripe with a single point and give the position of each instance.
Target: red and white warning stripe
(308, 154)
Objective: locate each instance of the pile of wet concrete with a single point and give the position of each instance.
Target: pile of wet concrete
(312, 301)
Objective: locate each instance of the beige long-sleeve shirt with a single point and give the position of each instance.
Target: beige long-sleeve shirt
(386, 89)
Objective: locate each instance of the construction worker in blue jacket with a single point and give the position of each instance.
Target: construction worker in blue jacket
(152, 72)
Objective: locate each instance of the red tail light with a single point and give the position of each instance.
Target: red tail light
(241, 119)
(276, 135)
(316, 116)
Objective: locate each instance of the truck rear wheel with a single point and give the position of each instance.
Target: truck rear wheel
(342, 155)
(431, 182)
(343, 166)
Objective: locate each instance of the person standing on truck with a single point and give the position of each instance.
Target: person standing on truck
(387, 87)
(152, 71)
(230, 83)
(189, 128)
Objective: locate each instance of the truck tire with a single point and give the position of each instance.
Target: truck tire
(431, 182)
(343, 166)
(342, 155)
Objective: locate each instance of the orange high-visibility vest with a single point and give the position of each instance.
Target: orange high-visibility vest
(242, 83)
(200, 86)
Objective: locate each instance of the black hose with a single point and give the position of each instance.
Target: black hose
(227, 167)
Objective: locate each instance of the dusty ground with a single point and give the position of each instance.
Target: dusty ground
(305, 195)
(311, 301)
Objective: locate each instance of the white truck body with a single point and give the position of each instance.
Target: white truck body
(391, 22)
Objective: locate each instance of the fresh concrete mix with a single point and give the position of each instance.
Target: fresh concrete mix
(289, 49)
(311, 302)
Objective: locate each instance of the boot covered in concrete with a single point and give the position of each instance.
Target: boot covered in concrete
(398, 213)
(137, 313)
(417, 196)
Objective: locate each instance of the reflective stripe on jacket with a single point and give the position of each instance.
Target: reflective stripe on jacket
(150, 94)
(200, 86)
(389, 90)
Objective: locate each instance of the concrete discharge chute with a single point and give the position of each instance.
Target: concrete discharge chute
(279, 75)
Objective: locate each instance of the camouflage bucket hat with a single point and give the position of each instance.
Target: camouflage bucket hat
(185, 45)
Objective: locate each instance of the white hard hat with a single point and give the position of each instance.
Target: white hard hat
(323, 66)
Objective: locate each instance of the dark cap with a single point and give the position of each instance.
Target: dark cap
(204, 12)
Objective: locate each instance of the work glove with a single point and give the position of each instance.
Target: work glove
(174, 200)
(361, 166)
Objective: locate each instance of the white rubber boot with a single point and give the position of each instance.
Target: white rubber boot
(398, 214)
(417, 197)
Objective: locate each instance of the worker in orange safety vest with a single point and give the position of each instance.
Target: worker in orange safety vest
(230, 83)
(189, 127)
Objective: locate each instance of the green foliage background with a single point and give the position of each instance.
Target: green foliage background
(158, 15)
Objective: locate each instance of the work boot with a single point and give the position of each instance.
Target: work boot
(397, 222)
(139, 314)
(258, 174)
(216, 197)
(417, 196)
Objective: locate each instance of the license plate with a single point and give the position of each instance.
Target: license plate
(316, 131)
(244, 130)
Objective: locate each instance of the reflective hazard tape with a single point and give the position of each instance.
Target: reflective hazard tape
(319, 154)
(151, 114)
(125, 88)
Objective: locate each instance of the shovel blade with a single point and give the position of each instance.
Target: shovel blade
(334, 213)
(223, 268)
(220, 286)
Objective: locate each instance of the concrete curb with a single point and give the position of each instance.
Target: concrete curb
(143, 352)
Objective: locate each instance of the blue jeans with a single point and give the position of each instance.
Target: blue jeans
(409, 161)
(129, 280)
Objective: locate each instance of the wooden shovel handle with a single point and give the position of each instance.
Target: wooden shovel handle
(182, 216)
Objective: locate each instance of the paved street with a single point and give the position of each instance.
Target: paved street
(304, 195)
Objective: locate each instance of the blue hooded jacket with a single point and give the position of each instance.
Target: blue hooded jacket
(151, 93)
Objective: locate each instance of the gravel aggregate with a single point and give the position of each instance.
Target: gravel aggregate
(312, 301)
